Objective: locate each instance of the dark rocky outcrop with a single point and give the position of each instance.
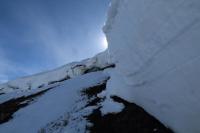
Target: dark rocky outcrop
(132, 119)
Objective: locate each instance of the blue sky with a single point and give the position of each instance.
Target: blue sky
(38, 35)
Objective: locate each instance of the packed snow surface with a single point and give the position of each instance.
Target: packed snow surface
(156, 48)
(61, 104)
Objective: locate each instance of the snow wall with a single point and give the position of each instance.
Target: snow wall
(156, 47)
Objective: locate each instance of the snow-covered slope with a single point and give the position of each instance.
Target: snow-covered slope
(61, 109)
(156, 48)
(99, 62)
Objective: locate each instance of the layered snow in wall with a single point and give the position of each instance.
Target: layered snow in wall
(156, 48)
(65, 72)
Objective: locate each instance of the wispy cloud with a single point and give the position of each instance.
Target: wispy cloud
(10, 70)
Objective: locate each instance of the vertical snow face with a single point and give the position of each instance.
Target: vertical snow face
(156, 48)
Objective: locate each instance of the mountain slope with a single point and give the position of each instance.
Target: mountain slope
(74, 105)
(58, 104)
(99, 62)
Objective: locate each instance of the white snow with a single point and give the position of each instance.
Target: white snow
(56, 105)
(109, 106)
(14, 95)
(156, 48)
(43, 79)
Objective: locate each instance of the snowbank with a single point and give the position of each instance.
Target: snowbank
(155, 46)
(71, 70)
